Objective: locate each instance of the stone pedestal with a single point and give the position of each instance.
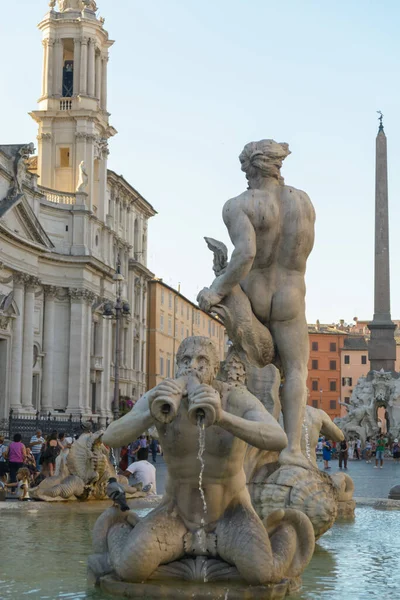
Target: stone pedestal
(196, 591)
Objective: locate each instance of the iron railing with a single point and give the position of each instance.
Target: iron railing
(28, 425)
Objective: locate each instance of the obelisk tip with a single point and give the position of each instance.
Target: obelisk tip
(380, 120)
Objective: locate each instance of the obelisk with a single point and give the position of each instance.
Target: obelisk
(382, 345)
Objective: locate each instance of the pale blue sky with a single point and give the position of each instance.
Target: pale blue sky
(191, 82)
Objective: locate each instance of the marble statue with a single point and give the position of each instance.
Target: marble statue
(83, 179)
(205, 426)
(378, 389)
(85, 474)
(20, 168)
(271, 226)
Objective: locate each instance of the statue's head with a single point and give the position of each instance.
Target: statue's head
(197, 356)
(263, 159)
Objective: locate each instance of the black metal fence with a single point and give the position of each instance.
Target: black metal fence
(27, 426)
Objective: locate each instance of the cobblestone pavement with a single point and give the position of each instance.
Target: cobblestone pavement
(369, 482)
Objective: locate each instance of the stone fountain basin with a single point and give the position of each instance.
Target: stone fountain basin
(196, 591)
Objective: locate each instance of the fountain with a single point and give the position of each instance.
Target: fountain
(225, 521)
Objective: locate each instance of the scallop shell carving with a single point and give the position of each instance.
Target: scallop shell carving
(307, 490)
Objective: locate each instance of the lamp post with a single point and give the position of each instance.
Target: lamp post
(117, 311)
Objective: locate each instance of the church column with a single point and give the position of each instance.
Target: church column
(48, 348)
(89, 298)
(58, 68)
(104, 83)
(27, 350)
(77, 60)
(98, 75)
(77, 352)
(44, 70)
(106, 395)
(17, 340)
(50, 68)
(84, 65)
(91, 67)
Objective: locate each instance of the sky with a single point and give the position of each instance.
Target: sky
(190, 83)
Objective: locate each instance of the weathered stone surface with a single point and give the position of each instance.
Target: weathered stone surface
(206, 512)
(260, 292)
(203, 591)
(394, 493)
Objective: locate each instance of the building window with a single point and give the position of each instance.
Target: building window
(162, 297)
(332, 347)
(168, 367)
(347, 381)
(314, 345)
(182, 309)
(332, 386)
(346, 359)
(170, 300)
(213, 328)
(161, 365)
(332, 365)
(64, 157)
(314, 364)
(161, 322)
(332, 404)
(347, 400)
(363, 359)
(314, 386)
(182, 332)
(315, 403)
(187, 332)
(169, 326)
(177, 307)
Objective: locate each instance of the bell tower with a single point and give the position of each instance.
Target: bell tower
(72, 114)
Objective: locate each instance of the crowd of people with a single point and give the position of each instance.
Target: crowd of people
(24, 465)
(376, 448)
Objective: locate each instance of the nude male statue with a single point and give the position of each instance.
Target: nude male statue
(271, 226)
(230, 528)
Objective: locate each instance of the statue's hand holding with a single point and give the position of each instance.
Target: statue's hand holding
(164, 400)
(205, 400)
(208, 298)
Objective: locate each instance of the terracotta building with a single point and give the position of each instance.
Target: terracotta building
(172, 318)
(324, 368)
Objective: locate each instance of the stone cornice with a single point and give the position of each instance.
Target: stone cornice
(78, 294)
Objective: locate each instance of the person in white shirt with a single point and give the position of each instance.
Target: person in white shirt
(36, 445)
(142, 471)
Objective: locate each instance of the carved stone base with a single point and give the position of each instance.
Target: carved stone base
(346, 509)
(196, 591)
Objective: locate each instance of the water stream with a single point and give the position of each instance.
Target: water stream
(202, 446)
(307, 439)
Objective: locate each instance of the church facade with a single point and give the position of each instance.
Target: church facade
(66, 221)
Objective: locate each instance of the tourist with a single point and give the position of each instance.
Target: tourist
(30, 462)
(396, 451)
(319, 448)
(351, 449)
(142, 471)
(16, 454)
(357, 448)
(153, 446)
(343, 453)
(132, 451)
(50, 451)
(380, 451)
(22, 483)
(3, 460)
(123, 458)
(143, 441)
(65, 444)
(327, 453)
(368, 451)
(36, 444)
